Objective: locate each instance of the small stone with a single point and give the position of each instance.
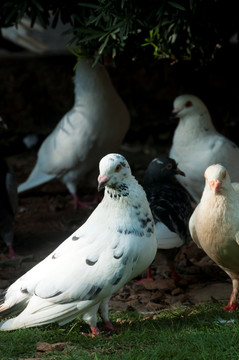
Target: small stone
(176, 291)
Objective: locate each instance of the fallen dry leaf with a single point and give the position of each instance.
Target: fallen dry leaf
(46, 347)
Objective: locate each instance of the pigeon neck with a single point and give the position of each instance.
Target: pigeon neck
(123, 191)
(222, 200)
(189, 128)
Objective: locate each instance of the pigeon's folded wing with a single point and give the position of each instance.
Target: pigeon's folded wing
(192, 228)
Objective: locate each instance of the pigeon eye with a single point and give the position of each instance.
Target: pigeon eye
(224, 175)
(169, 166)
(188, 103)
(118, 168)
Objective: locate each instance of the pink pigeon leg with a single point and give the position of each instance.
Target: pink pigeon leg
(149, 276)
(11, 252)
(233, 305)
(84, 204)
(175, 275)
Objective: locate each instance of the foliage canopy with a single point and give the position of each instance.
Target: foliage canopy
(135, 29)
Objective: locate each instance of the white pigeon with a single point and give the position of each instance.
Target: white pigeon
(23, 35)
(113, 246)
(95, 126)
(214, 225)
(197, 145)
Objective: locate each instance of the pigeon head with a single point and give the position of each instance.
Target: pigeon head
(217, 178)
(114, 169)
(187, 105)
(161, 169)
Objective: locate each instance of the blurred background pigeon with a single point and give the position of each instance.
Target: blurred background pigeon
(171, 209)
(197, 144)
(95, 126)
(8, 201)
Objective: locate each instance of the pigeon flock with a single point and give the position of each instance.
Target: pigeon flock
(190, 195)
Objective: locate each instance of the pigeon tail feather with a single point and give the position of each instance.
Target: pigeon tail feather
(61, 313)
(35, 179)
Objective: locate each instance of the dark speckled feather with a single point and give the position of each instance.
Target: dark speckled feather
(169, 203)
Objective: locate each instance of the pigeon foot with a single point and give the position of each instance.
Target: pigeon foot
(231, 307)
(94, 332)
(11, 253)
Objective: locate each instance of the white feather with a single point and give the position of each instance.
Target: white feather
(166, 238)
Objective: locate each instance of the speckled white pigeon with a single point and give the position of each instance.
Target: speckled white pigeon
(214, 224)
(95, 126)
(197, 145)
(114, 245)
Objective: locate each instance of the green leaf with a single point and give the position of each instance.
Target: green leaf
(11, 15)
(102, 47)
(37, 5)
(176, 5)
(92, 6)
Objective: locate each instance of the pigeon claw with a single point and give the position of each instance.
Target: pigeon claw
(231, 307)
(94, 332)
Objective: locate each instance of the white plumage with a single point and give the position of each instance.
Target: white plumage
(214, 225)
(114, 245)
(166, 238)
(23, 35)
(95, 126)
(197, 145)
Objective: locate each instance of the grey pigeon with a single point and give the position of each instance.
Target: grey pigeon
(171, 209)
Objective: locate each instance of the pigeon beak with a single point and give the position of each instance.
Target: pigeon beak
(102, 181)
(215, 186)
(180, 172)
(175, 112)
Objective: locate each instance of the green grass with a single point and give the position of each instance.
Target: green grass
(185, 333)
